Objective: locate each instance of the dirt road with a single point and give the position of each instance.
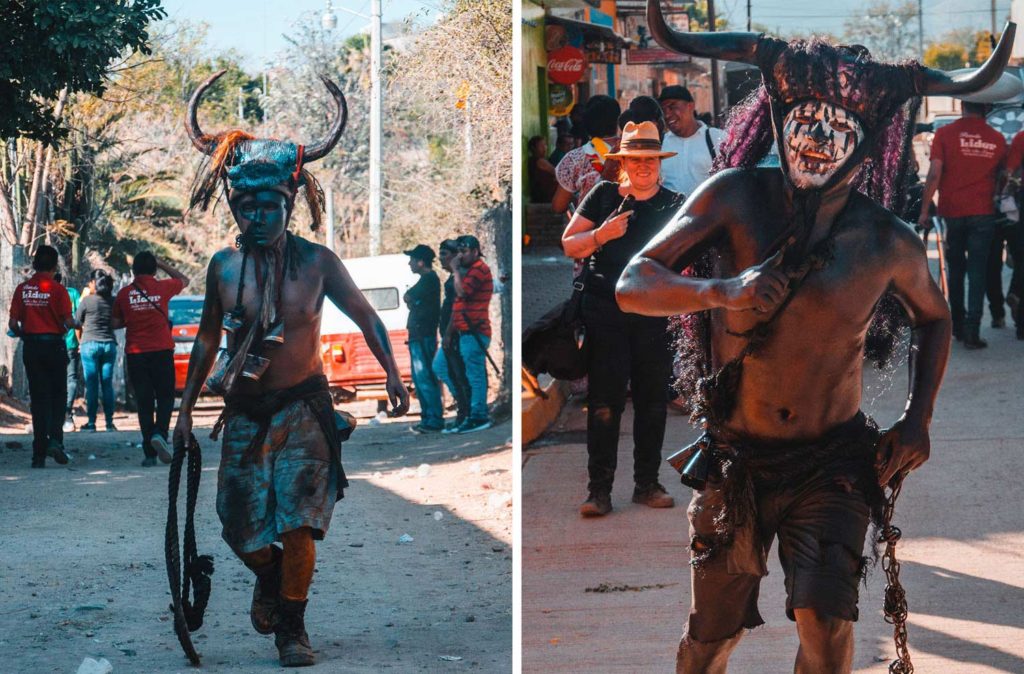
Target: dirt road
(83, 570)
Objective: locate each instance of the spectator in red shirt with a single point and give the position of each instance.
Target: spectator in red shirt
(1015, 235)
(141, 308)
(967, 159)
(471, 326)
(41, 315)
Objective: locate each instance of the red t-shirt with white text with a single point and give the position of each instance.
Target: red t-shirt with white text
(146, 327)
(41, 305)
(972, 153)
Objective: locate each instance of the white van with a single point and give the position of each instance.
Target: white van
(351, 368)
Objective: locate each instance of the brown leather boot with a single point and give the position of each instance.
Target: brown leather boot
(266, 594)
(291, 639)
(653, 496)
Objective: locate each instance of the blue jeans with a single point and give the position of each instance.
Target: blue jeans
(968, 241)
(450, 370)
(98, 364)
(427, 389)
(475, 359)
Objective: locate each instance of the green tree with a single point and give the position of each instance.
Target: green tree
(945, 56)
(51, 46)
(888, 30)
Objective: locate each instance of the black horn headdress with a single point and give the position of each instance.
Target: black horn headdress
(846, 76)
(243, 163)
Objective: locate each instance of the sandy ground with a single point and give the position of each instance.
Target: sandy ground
(962, 554)
(83, 565)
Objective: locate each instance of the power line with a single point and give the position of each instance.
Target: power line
(854, 15)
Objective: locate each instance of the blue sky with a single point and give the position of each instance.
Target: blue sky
(829, 15)
(254, 27)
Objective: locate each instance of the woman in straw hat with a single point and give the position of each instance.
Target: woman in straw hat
(611, 225)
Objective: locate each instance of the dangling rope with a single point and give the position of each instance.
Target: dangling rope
(895, 606)
(195, 577)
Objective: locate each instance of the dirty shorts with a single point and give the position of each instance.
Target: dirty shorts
(286, 483)
(821, 525)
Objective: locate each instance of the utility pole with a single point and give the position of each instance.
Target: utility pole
(920, 30)
(715, 109)
(748, 15)
(375, 127)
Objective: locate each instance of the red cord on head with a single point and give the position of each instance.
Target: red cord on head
(298, 164)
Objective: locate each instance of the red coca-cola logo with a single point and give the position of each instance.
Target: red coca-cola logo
(566, 65)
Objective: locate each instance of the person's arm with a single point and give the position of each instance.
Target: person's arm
(172, 272)
(116, 314)
(561, 200)
(651, 286)
(458, 276)
(546, 166)
(906, 445)
(80, 317)
(582, 239)
(342, 290)
(66, 312)
(931, 185)
(204, 351)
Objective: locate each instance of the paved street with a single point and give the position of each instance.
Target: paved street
(83, 562)
(611, 595)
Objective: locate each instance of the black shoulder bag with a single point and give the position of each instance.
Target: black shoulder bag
(556, 343)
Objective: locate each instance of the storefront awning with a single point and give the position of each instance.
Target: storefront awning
(590, 30)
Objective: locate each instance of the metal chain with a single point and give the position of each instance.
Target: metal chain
(895, 606)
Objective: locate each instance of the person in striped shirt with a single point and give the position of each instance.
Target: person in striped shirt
(471, 326)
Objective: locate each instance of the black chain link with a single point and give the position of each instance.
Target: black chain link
(895, 606)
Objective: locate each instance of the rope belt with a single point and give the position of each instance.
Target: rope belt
(195, 577)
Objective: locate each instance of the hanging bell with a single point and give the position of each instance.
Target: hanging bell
(234, 320)
(693, 463)
(695, 472)
(275, 334)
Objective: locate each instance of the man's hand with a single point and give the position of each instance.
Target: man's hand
(182, 430)
(612, 228)
(761, 288)
(901, 449)
(398, 395)
(924, 221)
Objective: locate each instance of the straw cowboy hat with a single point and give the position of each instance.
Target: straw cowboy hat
(640, 140)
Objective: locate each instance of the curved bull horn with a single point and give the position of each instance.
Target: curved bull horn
(938, 83)
(203, 142)
(726, 46)
(320, 148)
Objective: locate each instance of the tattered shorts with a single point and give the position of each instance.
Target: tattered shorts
(286, 483)
(821, 526)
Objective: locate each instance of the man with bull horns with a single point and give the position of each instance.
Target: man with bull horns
(280, 470)
(791, 277)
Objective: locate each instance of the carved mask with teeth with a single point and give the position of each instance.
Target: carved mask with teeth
(818, 139)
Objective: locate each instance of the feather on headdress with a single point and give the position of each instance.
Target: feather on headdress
(239, 161)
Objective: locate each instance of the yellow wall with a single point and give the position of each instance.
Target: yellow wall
(534, 92)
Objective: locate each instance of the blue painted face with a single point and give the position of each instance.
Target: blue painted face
(262, 216)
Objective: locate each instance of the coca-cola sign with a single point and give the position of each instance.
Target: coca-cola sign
(566, 65)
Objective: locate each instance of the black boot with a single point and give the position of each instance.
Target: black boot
(266, 594)
(291, 639)
(598, 504)
(973, 341)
